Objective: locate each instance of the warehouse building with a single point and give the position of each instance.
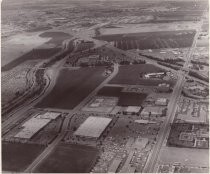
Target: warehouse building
(131, 110)
(161, 102)
(152, 111)
(163, 87)
(35, 124)
(93, 127)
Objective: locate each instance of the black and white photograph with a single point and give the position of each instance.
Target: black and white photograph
(104, 86)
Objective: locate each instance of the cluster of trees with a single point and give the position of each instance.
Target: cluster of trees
(196, 75)
(169, 65)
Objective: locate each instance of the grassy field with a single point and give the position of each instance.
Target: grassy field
(69, 159)
(110, 91)
(31, 55)
(151, 40)
(16, 157)
(131, 99)
(72, 87)
(129, 74)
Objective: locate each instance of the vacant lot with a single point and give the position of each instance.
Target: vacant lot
(151, 40)
(129, 74)
(110, 91)
(69, 159)
(185, 156)
(72, 87)
(16, 157)
(131, 99)
(32, 55)
(57, 37)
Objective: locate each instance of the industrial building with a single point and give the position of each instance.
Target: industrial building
(161, 102)
(35, 124)
(152, 111)
(163, 87)
(92, 127)
(155, 75)
(132, 110)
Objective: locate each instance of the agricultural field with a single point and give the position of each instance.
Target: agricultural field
(166, 54)
(151, 40)
(69, 159)
(16, 156)
(130, 75)
(72, 87)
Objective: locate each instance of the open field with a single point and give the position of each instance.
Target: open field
(16, 157)
(57, 37)
(69, 159)
(18, 45)
(130, 75)
(72, 87)
(110, 91)
(147, 27)
(30, 46)
(185, 156)
(34, 54)
(131, 99)
(151, 40)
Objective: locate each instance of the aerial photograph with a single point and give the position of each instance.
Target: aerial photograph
(104, 86)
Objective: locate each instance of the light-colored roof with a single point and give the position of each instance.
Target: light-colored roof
(31, 127)
(135, 109)
(153, 109)
(93, 127)
(49, 115)
(161, 100)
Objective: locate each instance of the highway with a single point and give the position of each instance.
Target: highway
(165, 128)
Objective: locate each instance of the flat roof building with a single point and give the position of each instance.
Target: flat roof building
(35, 124)
(132, 109)
(152, 111)
(161, 101)
(31, 127)
(93, 127)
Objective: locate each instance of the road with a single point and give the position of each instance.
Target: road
(49, 148)
(165, 129)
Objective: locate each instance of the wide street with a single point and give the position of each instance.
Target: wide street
(165, 129)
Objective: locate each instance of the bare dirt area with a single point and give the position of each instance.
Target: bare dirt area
(185, 156)
(19, 44)
(148, 27)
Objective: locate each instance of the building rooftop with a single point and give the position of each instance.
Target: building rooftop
(132, 109)
(31, 127)
(93, 127)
